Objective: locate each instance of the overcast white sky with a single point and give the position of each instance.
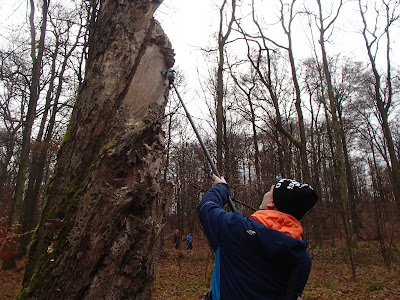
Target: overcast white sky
(190, 25)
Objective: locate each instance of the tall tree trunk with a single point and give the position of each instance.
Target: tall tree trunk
(37, 166)
(222, 39)
(17, 204)
(316, 214)
(305, 168)
(31, 114)
(43, 140)
(99, 235)
(255, 145)
(379, 203)
(357, 222)
(339, 160)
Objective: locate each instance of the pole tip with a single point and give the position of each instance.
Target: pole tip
(170, 74)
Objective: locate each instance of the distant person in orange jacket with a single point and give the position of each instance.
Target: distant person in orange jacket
(177, 239)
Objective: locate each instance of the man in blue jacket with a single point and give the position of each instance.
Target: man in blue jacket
(262, 256)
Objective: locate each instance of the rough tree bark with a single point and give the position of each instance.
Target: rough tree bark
(99, 232)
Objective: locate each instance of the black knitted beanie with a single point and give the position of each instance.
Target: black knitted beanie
(294, 198)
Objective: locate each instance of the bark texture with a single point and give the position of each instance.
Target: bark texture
(99, 233)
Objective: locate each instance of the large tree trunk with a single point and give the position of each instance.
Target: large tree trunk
(99, 233)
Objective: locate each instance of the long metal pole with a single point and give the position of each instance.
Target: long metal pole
(214, 169)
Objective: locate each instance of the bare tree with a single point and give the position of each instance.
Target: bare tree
(264, 62)
(247, 84)
(222, 41)
(13, 83)
(36, 51)
(339, 158)
(266, 79)
(303, 146)
(67, 30)
(383, 93)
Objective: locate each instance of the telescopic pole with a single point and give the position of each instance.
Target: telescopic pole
(170, 76)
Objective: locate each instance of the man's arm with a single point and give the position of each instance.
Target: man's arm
(210, 210)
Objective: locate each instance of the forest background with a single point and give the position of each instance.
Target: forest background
(298, 89)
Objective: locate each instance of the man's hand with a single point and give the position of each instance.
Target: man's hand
(218, 180)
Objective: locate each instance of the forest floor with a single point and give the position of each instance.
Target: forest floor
(182, 275)
(185, 276)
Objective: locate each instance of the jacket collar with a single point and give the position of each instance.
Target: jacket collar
(279, 221)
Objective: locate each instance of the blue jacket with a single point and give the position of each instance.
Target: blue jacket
(252, 261)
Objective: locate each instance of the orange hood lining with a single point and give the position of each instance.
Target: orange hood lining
(279, 221)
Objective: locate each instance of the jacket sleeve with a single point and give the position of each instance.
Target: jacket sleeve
(211, 212)
(305, 269)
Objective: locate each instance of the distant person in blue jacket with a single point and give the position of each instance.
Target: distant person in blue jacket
(262, 256)
(189, 241)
